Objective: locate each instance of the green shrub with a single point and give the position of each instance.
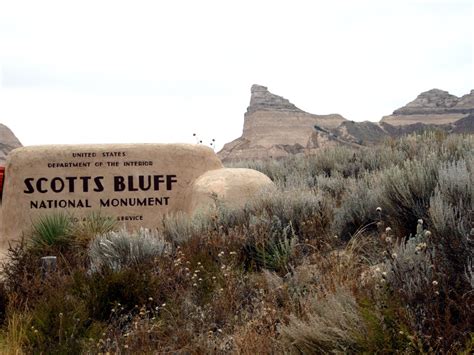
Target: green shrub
(52, 230)
(116, 250)
(335, 187)
(406, 192)
(296, 207)
(270, 245)
(456, 182)
(358, 207)
(411, 269)
(179, 227)
(450, 220)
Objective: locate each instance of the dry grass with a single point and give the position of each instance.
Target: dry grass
(326, 264)
(14, 337)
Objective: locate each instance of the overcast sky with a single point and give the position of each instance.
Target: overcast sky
(159, 71)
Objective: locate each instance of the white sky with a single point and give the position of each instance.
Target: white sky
(159, 71)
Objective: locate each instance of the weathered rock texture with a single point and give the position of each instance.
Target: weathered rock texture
(8, 142)
(275, 128)
(232, 187)
(433, 107)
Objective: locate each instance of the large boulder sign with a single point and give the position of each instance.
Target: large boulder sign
(137, 183)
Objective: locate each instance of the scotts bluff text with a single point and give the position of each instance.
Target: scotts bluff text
(73, 184)
(96, 184)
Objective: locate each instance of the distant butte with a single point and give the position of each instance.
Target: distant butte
(433, 107)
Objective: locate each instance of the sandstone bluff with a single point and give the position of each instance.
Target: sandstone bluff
(275, 128)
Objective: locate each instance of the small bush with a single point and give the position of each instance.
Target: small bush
(407, 191)
(296, 207)
(411, 270)
(358, 207)
(271, 245)
(52, 231)
(180, 227)
(116, 250)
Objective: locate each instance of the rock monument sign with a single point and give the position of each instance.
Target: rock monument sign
(137, 184)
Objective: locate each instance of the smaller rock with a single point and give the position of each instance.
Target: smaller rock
(231, 186)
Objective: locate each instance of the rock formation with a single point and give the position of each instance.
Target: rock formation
(8, 141)
(275, 128)
(433, 107)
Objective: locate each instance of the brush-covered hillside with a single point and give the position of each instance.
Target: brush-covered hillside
(358, 251)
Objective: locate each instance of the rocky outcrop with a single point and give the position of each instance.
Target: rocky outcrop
(263, 100)
(466, 102)
(275, 128)
(8, 142)
(361, 133)
(433, 107)
(432, 101)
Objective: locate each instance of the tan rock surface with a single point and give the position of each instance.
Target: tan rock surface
(275, 128)
(113, 178)
(232, 187)
(438, 119)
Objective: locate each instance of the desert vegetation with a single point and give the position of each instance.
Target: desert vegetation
(358, 251)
